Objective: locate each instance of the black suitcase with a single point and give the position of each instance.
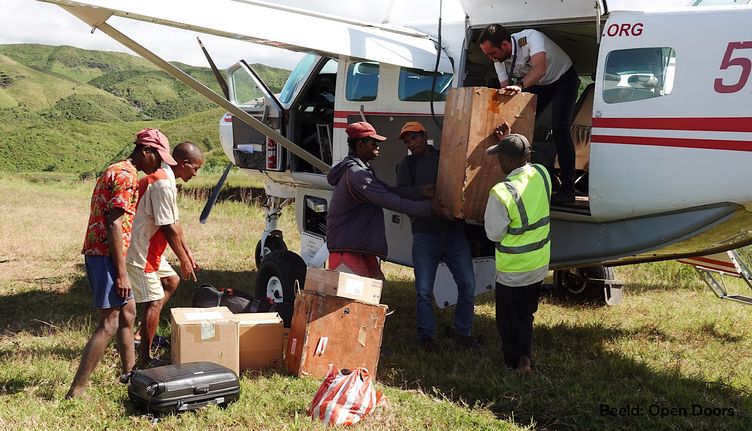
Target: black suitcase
(180, 387)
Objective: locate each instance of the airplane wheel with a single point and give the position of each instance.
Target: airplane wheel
(277, 276)
(583, 284)
(274, 242)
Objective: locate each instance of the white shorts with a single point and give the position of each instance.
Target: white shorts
(147, 286)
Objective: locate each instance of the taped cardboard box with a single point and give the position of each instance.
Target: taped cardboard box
(466, 173)
(332, 330)
(260, 340)
(204, 334)
(344, 285)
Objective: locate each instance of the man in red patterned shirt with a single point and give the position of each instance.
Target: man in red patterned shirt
(108, 234)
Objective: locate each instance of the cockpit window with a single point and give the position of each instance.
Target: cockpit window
(415, 85)
(296, 78)
(637, 74)
(362, 81)
(244, 90)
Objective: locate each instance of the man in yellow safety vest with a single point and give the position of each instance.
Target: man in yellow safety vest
(517, 220)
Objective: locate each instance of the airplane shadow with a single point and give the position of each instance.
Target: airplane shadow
(49, 306)
(575, 374)
(62, 305)
(39, 310)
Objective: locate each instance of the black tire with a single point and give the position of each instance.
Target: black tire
(583, 284)
(274, 242)
(277, 276)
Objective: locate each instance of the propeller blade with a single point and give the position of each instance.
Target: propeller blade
(214, 195)
(217, 75)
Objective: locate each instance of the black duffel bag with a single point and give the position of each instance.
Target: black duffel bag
(206, 296)
(266, 305)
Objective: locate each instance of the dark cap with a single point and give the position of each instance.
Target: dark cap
(361, 129)
(514, 145)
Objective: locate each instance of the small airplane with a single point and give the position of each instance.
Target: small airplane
(663, 129)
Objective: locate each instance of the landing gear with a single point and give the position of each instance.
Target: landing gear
(272, 238)
(274, 241)
(594, 284)
(280, 273)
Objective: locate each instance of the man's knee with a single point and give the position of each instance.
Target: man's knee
(152, 306)
(425, 295)
(108, 321)
(127, 314)
(169, 284)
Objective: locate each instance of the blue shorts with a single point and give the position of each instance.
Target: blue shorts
(101, 273)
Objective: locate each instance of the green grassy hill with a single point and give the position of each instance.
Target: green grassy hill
(29, 87)
(73, 110)
(80, 65)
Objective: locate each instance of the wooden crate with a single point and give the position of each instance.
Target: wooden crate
(332, 330)
(466, 173)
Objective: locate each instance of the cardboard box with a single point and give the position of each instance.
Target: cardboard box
(332, 330)
(260, 340)
(344, 285)
(470, 116)
(204, 334)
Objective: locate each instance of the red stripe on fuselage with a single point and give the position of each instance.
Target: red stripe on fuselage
(345, 114)
(718, 124)
(707, 144)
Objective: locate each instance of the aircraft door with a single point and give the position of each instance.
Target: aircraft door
(251, 149)
(311, 115)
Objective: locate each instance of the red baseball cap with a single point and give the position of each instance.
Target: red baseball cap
(156, 139)
(361, 129)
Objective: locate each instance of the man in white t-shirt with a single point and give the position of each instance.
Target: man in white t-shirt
(529, 61)
(155, 226)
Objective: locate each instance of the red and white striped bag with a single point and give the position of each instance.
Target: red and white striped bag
(345, 397)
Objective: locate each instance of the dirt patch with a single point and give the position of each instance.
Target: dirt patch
(239, 194)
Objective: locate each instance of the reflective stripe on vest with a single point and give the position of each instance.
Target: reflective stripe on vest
(526, 246)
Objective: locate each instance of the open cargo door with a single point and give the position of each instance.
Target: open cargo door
(531, 12)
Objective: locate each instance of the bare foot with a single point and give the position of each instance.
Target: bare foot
(523, 366)
(75, 393)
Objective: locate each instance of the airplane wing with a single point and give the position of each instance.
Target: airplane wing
(273, 25)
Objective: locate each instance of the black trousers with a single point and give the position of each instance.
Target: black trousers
(562, 94)
(515, 307)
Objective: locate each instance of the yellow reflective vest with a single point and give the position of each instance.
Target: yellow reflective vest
(526, 197)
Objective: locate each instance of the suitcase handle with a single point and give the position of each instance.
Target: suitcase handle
(201, 389)
(183, 406)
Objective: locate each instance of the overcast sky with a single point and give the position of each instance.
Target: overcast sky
(28, 21)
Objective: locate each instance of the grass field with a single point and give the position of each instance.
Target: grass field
(669, 347)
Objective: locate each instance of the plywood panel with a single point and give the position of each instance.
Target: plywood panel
(466, 174)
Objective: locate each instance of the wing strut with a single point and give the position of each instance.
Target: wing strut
(206, 92)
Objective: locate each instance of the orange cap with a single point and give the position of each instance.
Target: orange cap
(412, 126)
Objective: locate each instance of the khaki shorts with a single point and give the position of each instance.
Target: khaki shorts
(147, 286)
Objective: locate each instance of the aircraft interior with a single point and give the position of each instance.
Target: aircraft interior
(312, 117)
